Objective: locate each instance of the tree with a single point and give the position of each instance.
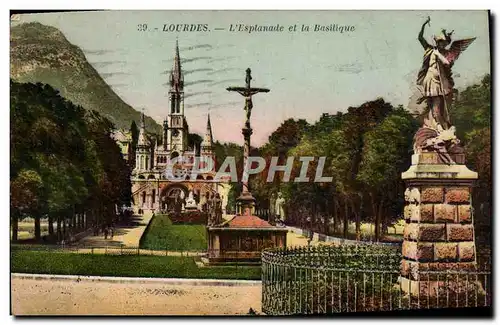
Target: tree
(63, 160)
(26, 196)
(386, 153)
(471, 115)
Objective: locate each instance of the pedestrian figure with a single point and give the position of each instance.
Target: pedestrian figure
(106, 233)
(112, 230)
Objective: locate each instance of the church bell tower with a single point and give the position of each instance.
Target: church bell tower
(177, 133)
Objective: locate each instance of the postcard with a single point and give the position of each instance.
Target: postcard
(258, 163)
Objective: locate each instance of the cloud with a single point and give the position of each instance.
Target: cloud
(197, 70)
(101, 52)
(196, 82)
(118, 85)
(198, 58)
(222, 70)
(200, 46)
(198, 104)
(103, 64)
(187, 60)
(231, 103)
(197, 94)
(114, 74)
(353, 68)
(225, 81)
(225, 46)
(222, 59)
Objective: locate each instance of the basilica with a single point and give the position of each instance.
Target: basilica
(152, 190)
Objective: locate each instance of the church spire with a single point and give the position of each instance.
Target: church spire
(207, 143)
(142, 132)
(176, 77)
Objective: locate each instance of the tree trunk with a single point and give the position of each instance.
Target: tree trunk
(59, 233)
(346, 220)
(375, 215)
(358, 227)
(357, 220)
(51, 225)
(15, 226)
(38, 233)
(64, 221)
(334, 214)
(381, 218)
(378, 221)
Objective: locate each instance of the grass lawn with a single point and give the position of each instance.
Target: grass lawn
(37, 262)
(161, 234)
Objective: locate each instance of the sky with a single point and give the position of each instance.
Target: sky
(308, 73)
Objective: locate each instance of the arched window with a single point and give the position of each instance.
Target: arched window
(141, 177)
(174, 154)
(151, 177)
(147, 163)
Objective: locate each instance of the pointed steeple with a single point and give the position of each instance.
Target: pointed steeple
(207, 143)
(142, 132)
(176, 77)
(209, 129)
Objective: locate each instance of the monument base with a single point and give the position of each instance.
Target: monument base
(446, 286)
(438, 241)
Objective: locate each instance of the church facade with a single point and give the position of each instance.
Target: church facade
(152, 189)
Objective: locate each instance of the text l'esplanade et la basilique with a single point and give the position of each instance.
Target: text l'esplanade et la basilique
(249, 28)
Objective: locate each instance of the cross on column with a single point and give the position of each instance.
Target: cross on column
(246, 199)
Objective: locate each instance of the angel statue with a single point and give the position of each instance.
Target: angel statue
(435, 84)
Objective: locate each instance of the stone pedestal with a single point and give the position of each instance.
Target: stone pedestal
(439, 229)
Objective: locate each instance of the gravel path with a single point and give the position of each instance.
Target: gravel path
(69, 297)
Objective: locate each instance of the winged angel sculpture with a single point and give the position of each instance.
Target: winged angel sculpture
(435, 84)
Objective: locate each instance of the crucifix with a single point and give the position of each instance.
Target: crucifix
(246, 199)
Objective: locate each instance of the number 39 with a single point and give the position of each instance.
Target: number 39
(142, 27)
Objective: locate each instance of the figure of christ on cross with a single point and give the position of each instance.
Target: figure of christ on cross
(248, 92)
(246, 198)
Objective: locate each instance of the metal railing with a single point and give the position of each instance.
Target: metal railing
(138, 251)
(109, 250)
(328, 280)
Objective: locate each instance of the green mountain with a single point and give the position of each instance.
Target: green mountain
(40, 53)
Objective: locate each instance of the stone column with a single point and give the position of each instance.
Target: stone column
(246, 199)
(439, 229)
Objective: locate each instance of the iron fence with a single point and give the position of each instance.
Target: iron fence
(328, 280)
(138, 251)
(108, 250)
